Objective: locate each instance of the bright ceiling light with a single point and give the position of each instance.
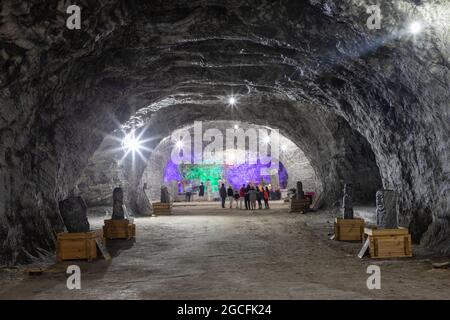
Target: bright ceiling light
(415, 27)
(131, 143)
(232, 101)
(266, 140)
(236, 127)
(284, 147)
(179, 144)
(134, 143)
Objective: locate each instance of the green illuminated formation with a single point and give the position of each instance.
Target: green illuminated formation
(201, 173)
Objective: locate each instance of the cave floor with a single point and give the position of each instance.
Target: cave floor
(203, 252)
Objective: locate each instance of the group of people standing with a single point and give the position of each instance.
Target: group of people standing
(249, 195)
(188, 191)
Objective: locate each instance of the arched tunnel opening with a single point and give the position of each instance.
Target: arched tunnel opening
(162, 170)
(352, 161)
(352, 105)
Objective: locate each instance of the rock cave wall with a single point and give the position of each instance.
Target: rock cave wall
(323, 71)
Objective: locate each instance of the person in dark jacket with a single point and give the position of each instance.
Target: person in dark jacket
(201, 190)
(247, 198)
(241, 196)
(230, 194)
(223, 194)
(236, 197)
(266, 198)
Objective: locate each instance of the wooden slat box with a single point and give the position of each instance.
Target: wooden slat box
(300, 205)
(349, 229)
(389, 243)
(119, 229)
(78, 246)
(162, 208)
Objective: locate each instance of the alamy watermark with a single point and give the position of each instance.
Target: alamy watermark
(234, 146)
(374, 20)
(74, 280)
(374, 280)
(73, 22)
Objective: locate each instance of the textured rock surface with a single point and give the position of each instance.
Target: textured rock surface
(347, 201)
(103, 173)
(348, 96)
(387, 216)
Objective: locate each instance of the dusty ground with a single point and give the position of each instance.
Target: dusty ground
(207, 253)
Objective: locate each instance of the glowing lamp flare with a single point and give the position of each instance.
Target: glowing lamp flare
(416, 27)
(179, 144)
(131, 143)
(232, 101)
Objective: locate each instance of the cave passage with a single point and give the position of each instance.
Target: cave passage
(321, 100)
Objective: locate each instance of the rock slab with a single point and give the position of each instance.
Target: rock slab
(74, 214)
(386, 201)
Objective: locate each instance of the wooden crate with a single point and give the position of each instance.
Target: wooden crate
(389, 243)
(78, 246)
(300, 205)
(162, 208)
(349, 229)
(119, 229)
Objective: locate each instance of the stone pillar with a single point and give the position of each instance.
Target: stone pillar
(347, 201)
(386, 201)
(300, 195)
(118, 213)
(165, 197)
(74, 214)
